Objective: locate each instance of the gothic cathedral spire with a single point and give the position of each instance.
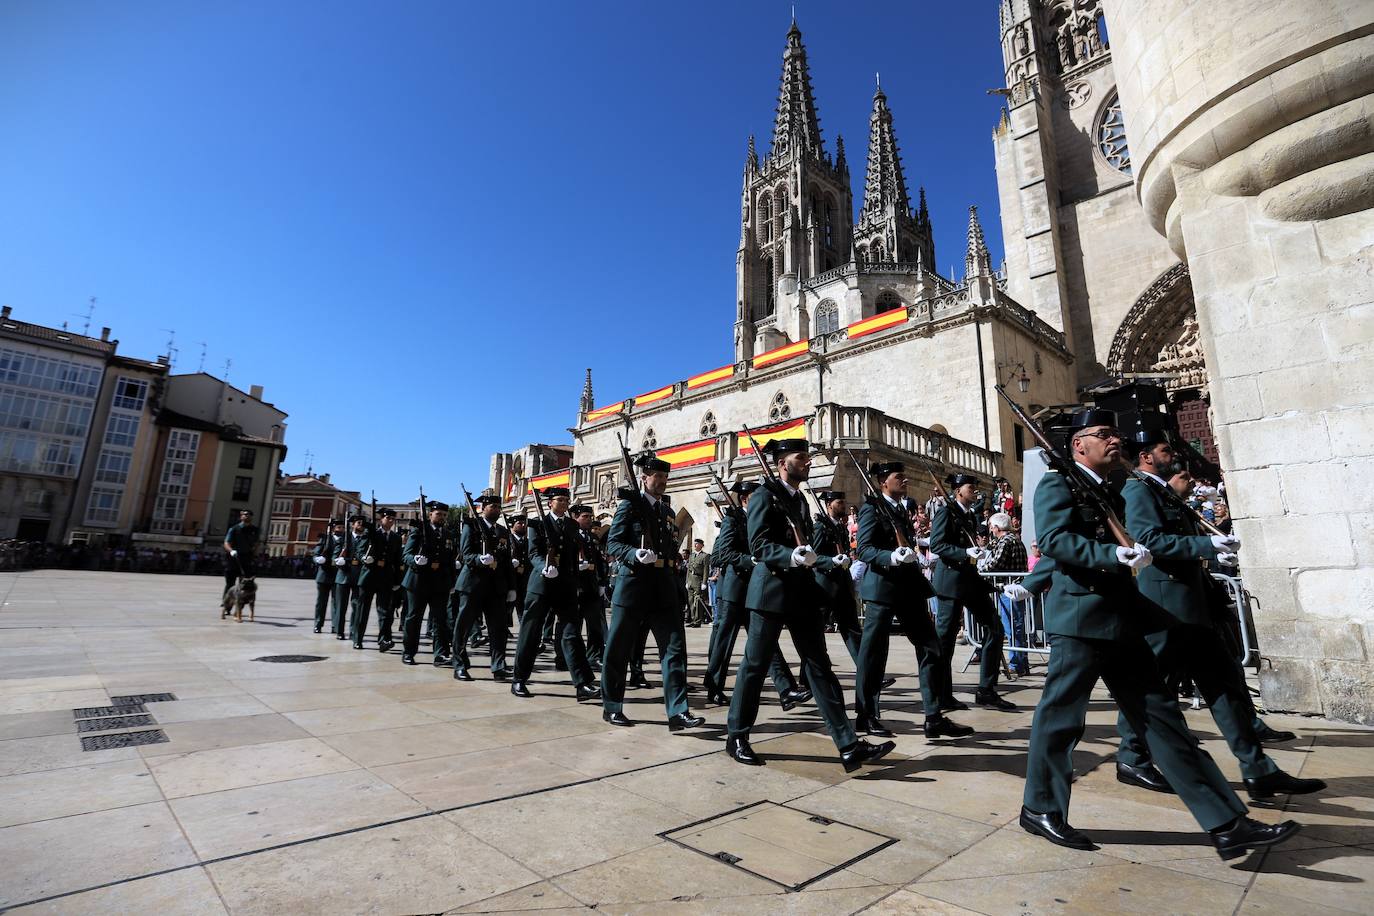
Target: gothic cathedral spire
(887, 230)
(797, 126)
(885, 183)
(978, 261)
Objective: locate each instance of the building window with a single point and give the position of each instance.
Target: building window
(62, 376)
(276, 531)
(243, 486)
(307, 508)
(827, 318)
(121, 430)
(38, 501)
(247, 458)
(1018, 436)
(182, 445)
(650, 439)
(103, 506)
(112, 467)
(281, 507)
(779, 409)
(887, 301)
(708, 425)
(130, 394)
(302, 531)
(1111, 136)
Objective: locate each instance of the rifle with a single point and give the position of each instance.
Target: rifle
(972, 533)
(472, 514)
(880, 501)
(1182, 503)
(775, 485)
(645, 515)
(1073, 474)
(424, 521)
(550, 555)
(725, 494)
(372, 526)
(841, 537)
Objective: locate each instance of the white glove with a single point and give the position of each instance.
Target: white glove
(975, 553)
(487, 560)
(842, 560)
(803, 555)
(1137, 557)
(1016, 592)
(550, 572)
(420, 559)
(584, 566)
(1228, 559)
(319, 561)
(903, 555)
(923, 542)
(645, 557)
(234, 553)
(458, 563)
(368, 561)
(339, 561)
(1226, 543)
(510, 596)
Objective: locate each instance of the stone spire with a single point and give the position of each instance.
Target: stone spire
(841, 163)
(977, 262)
(751, 159)
(922, 214)
(588, 403)
(885, 184)
(797, 126)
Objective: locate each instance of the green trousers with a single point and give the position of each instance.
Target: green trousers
(1198, 653)
(731, 617)
(1128, 667)
(949, 618)
(623, 641)
(920, 631)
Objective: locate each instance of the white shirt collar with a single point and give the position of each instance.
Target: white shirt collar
(892, 501)
(653, 500)
(791, 490)
(1155, 477)
(1093, 475)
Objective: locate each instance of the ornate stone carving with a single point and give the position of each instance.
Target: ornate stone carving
(1076, 94)
(779, 410)
(1111, 136)
(650, 441)
(1160, 334)
(708, 425)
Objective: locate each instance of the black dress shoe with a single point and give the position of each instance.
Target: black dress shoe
(685, 720)
(800, 695)
(407, 659)
(500, 675)
(1280, 783)
(319, 629)
(589, 692)
(1273, 735)
(740, 751)
(1146, 776)
(785, 700)
(1054, 828)
(888, 682)
(874, 727)
(717, 698)
(460, 673)
(384, 645)
(442, 659)
(856, 755)
(357, 645)
(616, 718)
(1244, 834)
(638, 681)
(952, 705)
(940, 727)
(991, 700)
(340, 636)
(519, 689)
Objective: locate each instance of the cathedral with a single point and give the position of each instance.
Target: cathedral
(845, 332)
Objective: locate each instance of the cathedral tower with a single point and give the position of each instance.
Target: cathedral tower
(888, 231)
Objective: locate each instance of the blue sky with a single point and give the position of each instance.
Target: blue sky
(387, 213)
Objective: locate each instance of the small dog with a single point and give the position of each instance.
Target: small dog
(243, 592)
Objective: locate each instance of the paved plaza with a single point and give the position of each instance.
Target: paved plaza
(355, 784)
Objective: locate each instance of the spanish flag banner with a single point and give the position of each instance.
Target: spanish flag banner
(602, 412)
(722, 374)
(650, 397)
(693, 453)
(781, 353)
(877, 322)
(792, 429)
(561, 478)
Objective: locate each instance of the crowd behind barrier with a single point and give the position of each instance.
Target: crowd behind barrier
(201, 561)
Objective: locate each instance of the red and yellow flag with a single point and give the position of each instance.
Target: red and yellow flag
(702, 451)
(606, 411)
(792, 429)
(878, 322)
(656, 395)
(781, 353)
(561, 478)
(715, 375)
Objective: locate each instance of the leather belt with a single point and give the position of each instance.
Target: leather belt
(434, 565)
(381, 563)
(356, 562)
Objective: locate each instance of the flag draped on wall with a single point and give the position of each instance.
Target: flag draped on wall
(792, 429)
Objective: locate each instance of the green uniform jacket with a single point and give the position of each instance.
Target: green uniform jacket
(830, 539)
(561, 539)
(886, 582)
(436, 575)
(775, 585)
(348, 573)
(1175, 583)
(1038, 579)
(328, 548)
(384, 571)
(731, 554)
(956, 572)
(591, 581)
(479, 537)
(637, 585)
(243, 538)
(1092, 596)
(698, 568)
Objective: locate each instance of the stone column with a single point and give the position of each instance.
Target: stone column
(1251, 130)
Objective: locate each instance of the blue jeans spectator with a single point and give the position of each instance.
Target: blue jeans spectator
(1014, 625)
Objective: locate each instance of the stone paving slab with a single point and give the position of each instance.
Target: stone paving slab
(357, 784)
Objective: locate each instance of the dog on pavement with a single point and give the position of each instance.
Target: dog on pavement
(242, 593)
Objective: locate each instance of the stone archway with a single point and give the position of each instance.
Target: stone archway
(1159, 334)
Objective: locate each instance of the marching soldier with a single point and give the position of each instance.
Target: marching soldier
(894, 586)
(552, 590)
(958, 586)
(698, 568)
(519, 562)
(429, 561)
(832, 539)
(379, 580)
(592, 575)
(327, 550)
(346, 579)
(648, 590)
(731, 554)
(485, 586)
(1179, 625)
(1091, 618)
(241, 544)
(783, 593)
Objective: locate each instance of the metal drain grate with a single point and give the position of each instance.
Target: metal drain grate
(93, 712)
(124, 739)
(291, 659)
(143, 698)
(112, 722)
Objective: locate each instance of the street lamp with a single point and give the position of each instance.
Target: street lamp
(1022, 380)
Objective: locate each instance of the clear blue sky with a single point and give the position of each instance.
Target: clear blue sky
(387, 213)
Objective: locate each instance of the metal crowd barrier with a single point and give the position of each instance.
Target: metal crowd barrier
(1032, 615)
(1242, 629)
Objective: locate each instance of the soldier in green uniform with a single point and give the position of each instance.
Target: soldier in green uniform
(783, 593)
(958, 586)
(552, 550)
(731, 554)
(1091, 618)
(894, 586)
(698, 568)
(486, 583)
(832, 539)
(429, 561)
(379, 581)
(327, 550)
(346, 578)
(241, 545)
(592, 575)
(1179, 625)
(648, 591)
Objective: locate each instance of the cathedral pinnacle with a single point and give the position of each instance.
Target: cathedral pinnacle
(885, 184)
(751, 159)
(977, 262)
(588, 404)
(841, 163)
(797, 125)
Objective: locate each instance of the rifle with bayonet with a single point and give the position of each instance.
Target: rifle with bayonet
(632, 491)
(724, 493)
(775, 485)
(880, 501)
(476, 522)
(550, 554)
(424, 522)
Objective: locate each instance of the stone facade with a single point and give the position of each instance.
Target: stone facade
(1249, 124)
